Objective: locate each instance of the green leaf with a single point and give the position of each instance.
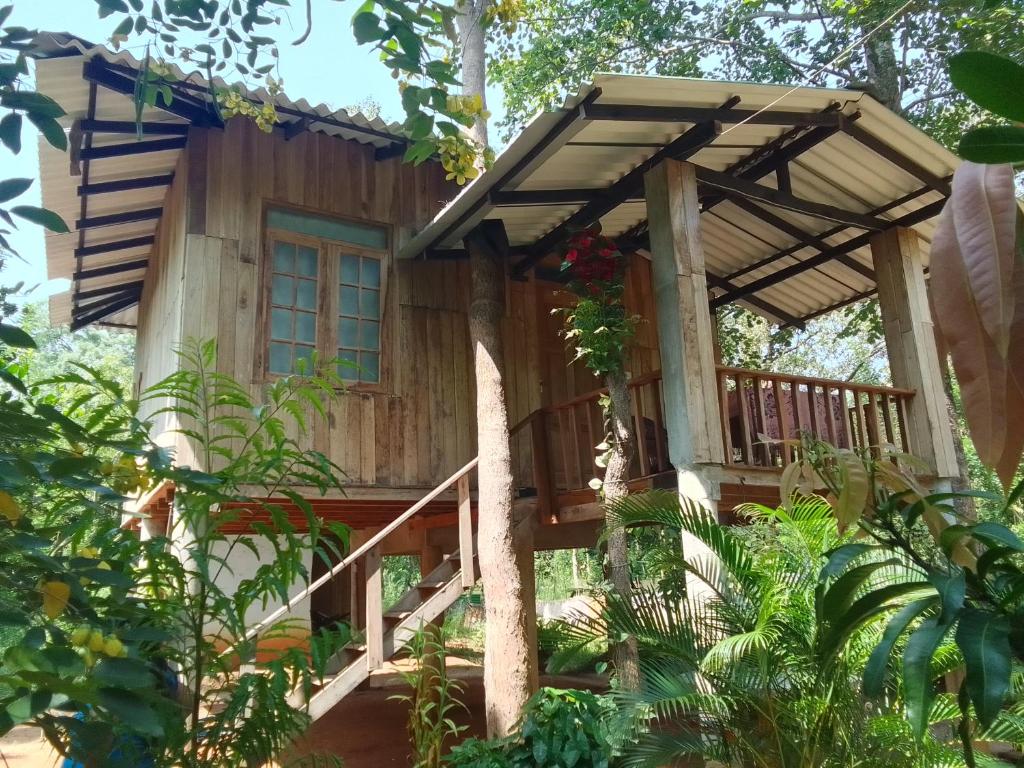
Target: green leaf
(995, 534)
(10, 132)
(419, 125)
(917, 679)
(123, 673)
(878, 662)
(366, 27)
(13, 336)
(32, 102)
(51, 129)
(132, 709)
(990, 81)
(11, 188)
(994, 144)
(41, 216)
(984, 640)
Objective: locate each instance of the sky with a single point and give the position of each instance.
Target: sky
(329, 67)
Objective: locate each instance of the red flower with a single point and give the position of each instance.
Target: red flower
(571, 255)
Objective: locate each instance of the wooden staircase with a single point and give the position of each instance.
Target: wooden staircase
(388, 631)
(419, 606)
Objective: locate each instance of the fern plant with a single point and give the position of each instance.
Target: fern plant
(732, 662)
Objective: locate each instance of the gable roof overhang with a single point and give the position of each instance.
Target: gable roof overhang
(792, 184)
(110, 186)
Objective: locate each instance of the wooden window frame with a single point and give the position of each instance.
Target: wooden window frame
(327, 307)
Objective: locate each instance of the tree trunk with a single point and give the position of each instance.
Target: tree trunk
(472, 48)
(883, 70)
(625, 654)
(509, 660)
(964, 505)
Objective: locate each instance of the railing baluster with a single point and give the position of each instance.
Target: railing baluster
(741, 398)
(846, 439)
(563, 445)
(812, 408)
(862, 435)
(872, 417)
(640, 436)
(764, 447)
(576, 445)
(723, 409)
(890, 435)
(901, 415)
(659, 428)
(466, 532)
(374, 609)
(542, 475)
(781, 416)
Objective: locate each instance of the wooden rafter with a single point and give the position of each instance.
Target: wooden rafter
(728, 115)
(124, 185)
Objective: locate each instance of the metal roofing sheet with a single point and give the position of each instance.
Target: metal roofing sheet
(839, 171)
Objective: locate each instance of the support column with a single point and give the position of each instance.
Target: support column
(910, 341)
(685, 331)
(510, 653)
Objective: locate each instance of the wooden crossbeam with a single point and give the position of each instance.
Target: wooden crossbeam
(108, 309)
(295, 127)
(897, 158)
(132, 128)
(692, 141)
(115, 245)
(123, 217)
(182, 105)
(922, 214)
(132, 148)
(728, 115)
(106, 291)
(515, 197)
(82, 309)
(783, 225)
(779, 199)
(111, 269)
(124, 185)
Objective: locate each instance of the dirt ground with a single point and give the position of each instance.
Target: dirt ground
(367, 729)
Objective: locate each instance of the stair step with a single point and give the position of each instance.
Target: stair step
(431, 584)
(397, 616)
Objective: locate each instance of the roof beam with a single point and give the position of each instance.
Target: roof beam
(839, 305)
(897, 158)
(123, 217)
(572, 119)
(124, 185)
(295, 127)
(728, 115)
(779, 199)
(132, 148)
(99, 72)
(122, 303)
(691, 142)
(131, 127)
(123, 293)
(115, 245)
(111, 269)
(922, 214)
(515, 197)
(106, 291)
(813, 241)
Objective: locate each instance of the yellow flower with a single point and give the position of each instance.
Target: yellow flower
(113, 647)
(9, 508)
(96, 641)
(80, 636)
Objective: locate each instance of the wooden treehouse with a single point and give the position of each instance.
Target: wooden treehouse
(317, 237)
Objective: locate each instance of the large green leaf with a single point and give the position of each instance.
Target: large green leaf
(10, 132)
(31, 102)
(13, 336)
(878, 662)
(11, 188)
(123, 673)
(917, 679)
(132, 709)
(41, 216)
(990, 81)
(984, 640)
(51, 130)
(993, 144)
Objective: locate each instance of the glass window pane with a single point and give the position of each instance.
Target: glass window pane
(305, 294)
(305, 327)
(281, 324)
(280, 358)
(283, 290)
(348, 329)
(303, 359)
(347, 365)
(371, 273)
(326, 227)
(369, 304)
(284, 257)
(348, 300)
(349, 269)
(369, 335)
(370, 366)
(306, 262)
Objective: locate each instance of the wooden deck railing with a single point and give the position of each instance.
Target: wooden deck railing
(759, 411)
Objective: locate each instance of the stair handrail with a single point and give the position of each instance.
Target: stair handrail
(359, 552)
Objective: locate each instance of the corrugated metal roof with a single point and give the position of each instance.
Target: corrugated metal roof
(59, 74)
(592, 154)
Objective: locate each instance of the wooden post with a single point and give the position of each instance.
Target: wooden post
(466, 533)
(374, 579)
(910, 340)
(542, 479)
(685, 334)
